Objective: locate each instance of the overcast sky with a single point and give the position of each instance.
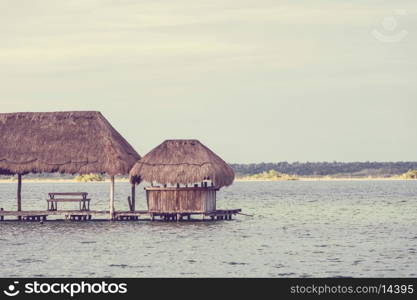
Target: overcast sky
(256, 81)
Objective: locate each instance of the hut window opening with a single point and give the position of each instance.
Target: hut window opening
(206, 183)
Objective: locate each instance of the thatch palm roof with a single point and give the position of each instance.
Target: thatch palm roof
(183, 162)
(66, 142)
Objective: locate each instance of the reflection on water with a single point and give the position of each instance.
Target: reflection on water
(299, 229)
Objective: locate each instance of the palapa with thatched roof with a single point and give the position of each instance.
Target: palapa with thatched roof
(182, 162)
(66, 142)
(79, 142)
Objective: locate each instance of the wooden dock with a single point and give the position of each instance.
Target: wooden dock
(101, 215)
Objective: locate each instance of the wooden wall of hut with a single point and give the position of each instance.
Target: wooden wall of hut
(181, 200)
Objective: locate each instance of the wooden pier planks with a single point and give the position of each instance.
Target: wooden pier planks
(76, 215)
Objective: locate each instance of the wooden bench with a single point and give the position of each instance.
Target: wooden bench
(81, 199)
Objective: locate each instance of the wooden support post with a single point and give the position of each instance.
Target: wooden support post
(1, 217)
(111, 216)
(19, 194)
(129, 201)
(133, 199)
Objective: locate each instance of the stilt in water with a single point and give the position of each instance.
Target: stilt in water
(19, 194)
(111, 216)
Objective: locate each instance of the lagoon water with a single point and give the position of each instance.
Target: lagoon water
(299, 229)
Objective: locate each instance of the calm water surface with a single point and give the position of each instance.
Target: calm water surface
(329, 229)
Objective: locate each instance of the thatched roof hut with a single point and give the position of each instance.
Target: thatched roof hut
(182, 162)
(187, 163)
(66, 142)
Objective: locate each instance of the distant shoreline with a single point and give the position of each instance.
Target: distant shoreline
(31, 180)
(331, 179)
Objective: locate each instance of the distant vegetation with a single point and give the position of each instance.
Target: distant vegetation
(402, 170)
(269, 175)
(89, 177)
(332, 169)
(411, 174)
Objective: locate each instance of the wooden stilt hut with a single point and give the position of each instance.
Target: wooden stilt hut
(75, 142)
(184, 176)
